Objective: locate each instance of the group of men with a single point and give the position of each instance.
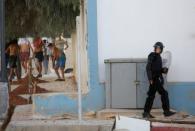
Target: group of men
(40, 51)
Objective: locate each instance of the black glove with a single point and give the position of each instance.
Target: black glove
(165, 70)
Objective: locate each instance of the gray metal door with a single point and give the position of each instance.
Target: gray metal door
(123, 88)
(142, 87)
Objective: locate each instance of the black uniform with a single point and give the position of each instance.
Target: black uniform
(154, 72)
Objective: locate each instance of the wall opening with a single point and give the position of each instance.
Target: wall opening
(28, 47)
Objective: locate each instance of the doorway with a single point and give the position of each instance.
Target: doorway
(68, 34)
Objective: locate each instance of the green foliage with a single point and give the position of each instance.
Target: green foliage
(40, 17)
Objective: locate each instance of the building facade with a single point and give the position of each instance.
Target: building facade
(128, 29)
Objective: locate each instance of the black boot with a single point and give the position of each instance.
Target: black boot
(168, 113)
(147, 115)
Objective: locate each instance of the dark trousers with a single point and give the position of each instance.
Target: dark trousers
(157, 86)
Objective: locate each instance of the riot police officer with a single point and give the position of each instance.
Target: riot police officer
(154, 72)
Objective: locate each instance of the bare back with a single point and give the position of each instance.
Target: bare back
(38, 48)
(56, 53)
(13, 49)
(24, 47)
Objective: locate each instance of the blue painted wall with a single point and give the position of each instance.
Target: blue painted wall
(57, 104)
(182, 96)
(96, 98)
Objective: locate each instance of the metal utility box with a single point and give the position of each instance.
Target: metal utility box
(127, 83)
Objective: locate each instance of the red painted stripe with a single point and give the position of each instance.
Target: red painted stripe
(171, 129)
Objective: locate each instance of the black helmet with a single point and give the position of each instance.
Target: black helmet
(159, 44)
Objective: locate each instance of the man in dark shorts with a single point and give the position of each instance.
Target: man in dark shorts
(38, 53)
(13, 51)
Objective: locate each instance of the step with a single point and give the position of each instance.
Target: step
(91, 125)
(59, 125)
(24, 119)
(179, 117)
(110, 113)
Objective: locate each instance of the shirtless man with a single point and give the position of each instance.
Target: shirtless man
(61, 43)
(38, 53)
(13, 50)
(25, 47)
(59, 60)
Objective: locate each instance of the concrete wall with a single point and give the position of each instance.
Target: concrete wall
(182, 96)
(82, 30)
(69, 53)
(83, 49)
(4, 99)
(129, 28)
(74, 40)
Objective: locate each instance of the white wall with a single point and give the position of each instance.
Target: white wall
(129, 28)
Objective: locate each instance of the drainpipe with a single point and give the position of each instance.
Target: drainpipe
(79, 69)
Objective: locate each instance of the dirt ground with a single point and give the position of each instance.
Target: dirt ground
(19, 91)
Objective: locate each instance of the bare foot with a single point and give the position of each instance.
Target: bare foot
(58, 79)
(62, 79)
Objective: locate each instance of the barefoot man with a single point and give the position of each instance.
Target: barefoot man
(13, 51)
(38, 53)
(59, 60)
(25, 47)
